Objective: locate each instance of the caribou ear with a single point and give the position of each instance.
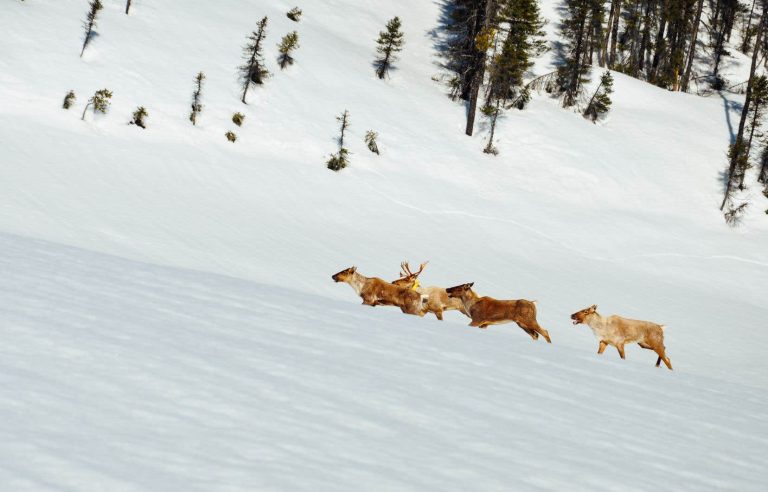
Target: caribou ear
(470, 284)
(594, 307)
(354, 269)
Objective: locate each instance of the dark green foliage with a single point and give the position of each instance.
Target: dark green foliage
(294, 14)
(231, 136)
(580, 31)
(238, 119)
(139, 117)
(253, 71)
(340, 160)
(389, 43)
(69, 100)
(370, 141)
(90, 22)
(289, 43)
(99, 102)
(601, 99)
(197, 95)
(516, 37)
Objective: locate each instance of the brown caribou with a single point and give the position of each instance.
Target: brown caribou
(617, 331)
(378, 292)
(486, 311)
(436, 297)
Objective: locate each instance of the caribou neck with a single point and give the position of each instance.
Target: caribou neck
(357, 281)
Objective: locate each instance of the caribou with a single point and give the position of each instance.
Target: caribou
(486, 311)
(437, 298)
(617, 331)
(378, 292)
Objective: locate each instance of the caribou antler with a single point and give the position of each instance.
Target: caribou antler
(407, 273)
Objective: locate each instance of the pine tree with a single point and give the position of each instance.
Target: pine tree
(197, 95)
(339, 161)
(127, 6)
(231, 136)
(139, 116)
(99, 102)
(253, 70)
(738, 155)
(370, 141)
(517, 27)
(759, 100)
(294, 14)
(390, 43)
(600, 102)
(289, 43)
(69, 100)
(90, 22)
(238, 119)
(577, 29)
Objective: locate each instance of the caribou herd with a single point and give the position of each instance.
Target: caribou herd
(407, 293)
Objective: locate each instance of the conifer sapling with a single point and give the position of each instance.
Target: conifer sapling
(390, 43)
(289, 43)
(294, 14)
(139, 117)
(90, 22)
(370, 141)
(69, 100)
(238, 119)
(253, 70)
(197, 105)
(231, 136)
(601, 99)
(340, 160)
(99, 101)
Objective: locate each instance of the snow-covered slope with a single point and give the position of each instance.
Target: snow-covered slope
(235, 363)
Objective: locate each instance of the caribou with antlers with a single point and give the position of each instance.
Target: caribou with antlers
(436, 297)
(378, 292)
(486, 311)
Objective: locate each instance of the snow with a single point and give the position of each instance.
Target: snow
(167, 312)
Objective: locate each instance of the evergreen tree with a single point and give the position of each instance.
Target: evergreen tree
(759, 100)
(370, 141)
(69, 100)
(238, 119)
(90, 22)
(197, 95)
(294, 14)
(139, 116)
(289, 43)
(253, 70)
(390, 43)
(577, 29)
(339, 160)
(738, 155)
(762, 177)
(518, 28)
(600, 102)
(231, 136)
(99, 102)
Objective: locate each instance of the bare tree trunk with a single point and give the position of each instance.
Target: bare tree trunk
(479, 73)
(127, 6)
(692, 50)
(744, 112)
(614, 33)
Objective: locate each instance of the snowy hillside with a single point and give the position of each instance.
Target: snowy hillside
(168, 317)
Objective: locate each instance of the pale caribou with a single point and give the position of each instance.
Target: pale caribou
(617, 331)
(436, 297)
